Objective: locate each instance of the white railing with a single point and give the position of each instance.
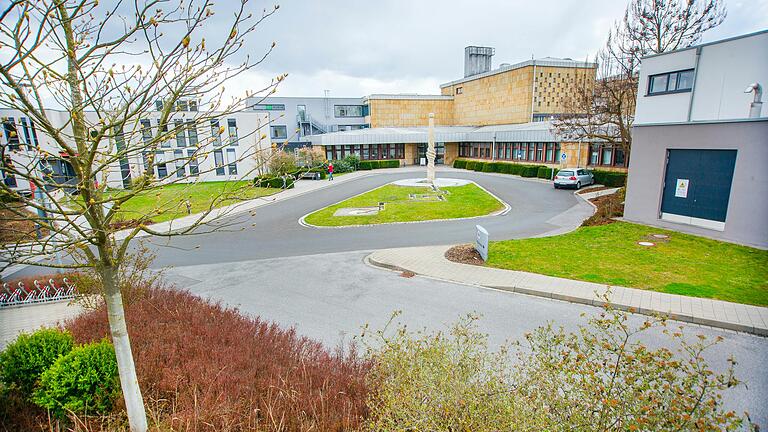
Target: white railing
(42, 292)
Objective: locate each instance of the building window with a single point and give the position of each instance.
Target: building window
(232, 161)
(9, 179)
(159, 105)
(671, 82)
(30, 134)
(181, 105)
(218, 160)
(164, 132)
(192, 133)
(508, 151)
(348, 110)
(181, 140)
(232, 129)
(146, 131)
(193, 106)
(194, 170)
(215, 134)
(607, 155)
(269, 107)
(178, 161)
(278, 132)
(162, 168)
(11, 134)
(459, 90)
(540, 152)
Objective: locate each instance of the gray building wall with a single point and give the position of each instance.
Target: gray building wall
(747, 217)
(319, 109)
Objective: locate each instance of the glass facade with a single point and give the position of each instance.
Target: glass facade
(366, 152)
(512, 151)
(607, 155)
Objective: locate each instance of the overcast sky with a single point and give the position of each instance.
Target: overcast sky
(355, 48)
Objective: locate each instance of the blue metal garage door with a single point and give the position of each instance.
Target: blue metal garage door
(698, 183)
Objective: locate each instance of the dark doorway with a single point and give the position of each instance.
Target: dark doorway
(697, 185)
(439, 154)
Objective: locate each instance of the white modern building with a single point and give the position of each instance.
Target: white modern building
(196, 152)
(700, 141)
(293, 121)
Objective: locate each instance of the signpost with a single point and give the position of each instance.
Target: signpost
(481, 242)
(563, 158)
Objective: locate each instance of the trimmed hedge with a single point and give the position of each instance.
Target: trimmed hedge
(529, 171)
(274, 182)
(607, 178)
(610, 178)
(376, 164)
(544, 173)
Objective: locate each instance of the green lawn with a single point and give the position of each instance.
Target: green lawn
(461, 201)
(171, 198)
(609, 254)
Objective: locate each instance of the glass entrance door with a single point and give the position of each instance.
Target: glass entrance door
(439, 153)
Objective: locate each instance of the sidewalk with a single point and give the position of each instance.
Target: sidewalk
(430, 261)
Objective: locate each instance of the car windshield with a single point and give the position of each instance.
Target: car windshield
(565, 173)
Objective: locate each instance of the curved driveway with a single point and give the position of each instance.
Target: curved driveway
(273, 231)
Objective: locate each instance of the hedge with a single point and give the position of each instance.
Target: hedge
(274, 182)
(544, 173)
(479, 166)
(471, 165)
(610, 178)
(530, 171)
(376, 164)
(460, 163)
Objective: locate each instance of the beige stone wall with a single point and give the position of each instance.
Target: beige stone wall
(451, 153)
(497, 99)
(556, 87)
(509, 97)
(409, 112)
(411, 150)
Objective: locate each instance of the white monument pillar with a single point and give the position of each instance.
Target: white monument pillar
(431, 150)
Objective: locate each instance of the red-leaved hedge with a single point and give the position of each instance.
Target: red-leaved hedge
(203, 367)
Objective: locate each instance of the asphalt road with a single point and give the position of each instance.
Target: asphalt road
(274, 231)
(330, 297)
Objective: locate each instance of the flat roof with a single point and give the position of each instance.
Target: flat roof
(406, 96)
(546, 61)
(523, 132)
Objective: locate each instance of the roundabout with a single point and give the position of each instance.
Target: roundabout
(408, 201)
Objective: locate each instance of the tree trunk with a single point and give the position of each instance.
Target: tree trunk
(134, 404)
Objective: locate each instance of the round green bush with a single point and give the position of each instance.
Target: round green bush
(24, 360)
(85, 381)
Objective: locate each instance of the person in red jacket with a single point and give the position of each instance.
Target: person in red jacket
(330, 171)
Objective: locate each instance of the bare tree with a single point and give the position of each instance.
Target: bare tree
(102, 68)
(606, 112)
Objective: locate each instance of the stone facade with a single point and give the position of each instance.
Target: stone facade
(516, 95)
(404, 111)
(451, 153)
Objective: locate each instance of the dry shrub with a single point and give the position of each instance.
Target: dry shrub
(608, 207)
(205, 367)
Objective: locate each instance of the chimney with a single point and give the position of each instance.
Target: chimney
(477, 60)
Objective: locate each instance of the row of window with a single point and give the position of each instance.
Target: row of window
(671, 82)
(186, 132)
(366, 152)
(599, 154)
(11, 132)
(174, 162)
(340, 111)
(534, 152)
(181, 105)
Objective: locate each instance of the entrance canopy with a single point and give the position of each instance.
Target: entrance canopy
(531, 132)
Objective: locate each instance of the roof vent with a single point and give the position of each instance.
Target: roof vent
(477, 60)
(504, 65)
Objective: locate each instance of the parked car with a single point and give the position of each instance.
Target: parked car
(573, 177)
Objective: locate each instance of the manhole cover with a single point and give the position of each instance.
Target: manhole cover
(660, 236)
(646, 244)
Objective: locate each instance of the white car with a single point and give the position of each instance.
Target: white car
(573, 177)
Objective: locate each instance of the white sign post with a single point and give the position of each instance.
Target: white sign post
(681, 188)
(481, 242)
